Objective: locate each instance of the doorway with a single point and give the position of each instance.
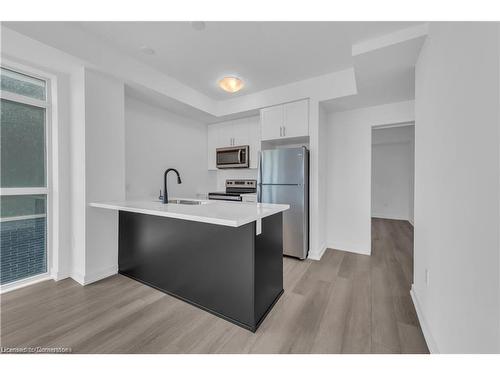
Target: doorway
(392, 195)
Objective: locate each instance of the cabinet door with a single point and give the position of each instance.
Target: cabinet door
(212, 144)
(296, 119)
(241, 132)
(248, 133)
(271, 121)
(225, 134)
(254, 135)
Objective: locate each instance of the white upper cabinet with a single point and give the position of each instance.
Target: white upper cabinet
(212, 144)
(225, 134)
(240, 132)
(247, 132)
(271, 120)
(296, 119)
(288, 120)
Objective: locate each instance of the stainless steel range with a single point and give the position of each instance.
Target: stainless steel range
(234, 190)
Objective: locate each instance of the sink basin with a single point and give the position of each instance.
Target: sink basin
(184, 201)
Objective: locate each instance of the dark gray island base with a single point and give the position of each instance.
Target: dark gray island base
(228, 271)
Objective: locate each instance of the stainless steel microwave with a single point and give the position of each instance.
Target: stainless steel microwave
(233, 157)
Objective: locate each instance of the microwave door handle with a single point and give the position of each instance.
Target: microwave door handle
(239, 155)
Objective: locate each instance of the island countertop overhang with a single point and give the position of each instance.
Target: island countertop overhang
(233, 214)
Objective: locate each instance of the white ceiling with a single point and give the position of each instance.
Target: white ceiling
(384, 75)
(264, 54)
(182, 74)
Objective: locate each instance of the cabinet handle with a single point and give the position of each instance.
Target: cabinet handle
(284, 131)
(281, 131)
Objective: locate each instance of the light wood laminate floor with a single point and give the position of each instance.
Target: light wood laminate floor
(345, 303)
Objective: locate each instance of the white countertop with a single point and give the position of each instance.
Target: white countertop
(233, 214)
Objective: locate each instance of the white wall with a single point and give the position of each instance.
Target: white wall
(349, 172)
(315, 242)
(457, 188)
(104, 171)
(77, 173)
(157, 139)
(322, 183)
(392, 173)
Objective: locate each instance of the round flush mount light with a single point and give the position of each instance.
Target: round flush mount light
(147, 50)
(231, 84)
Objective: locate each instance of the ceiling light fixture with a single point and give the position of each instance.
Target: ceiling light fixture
(231, 84)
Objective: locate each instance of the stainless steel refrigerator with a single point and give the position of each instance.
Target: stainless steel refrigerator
(283, 177)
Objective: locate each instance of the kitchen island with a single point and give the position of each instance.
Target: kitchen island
(223, 257)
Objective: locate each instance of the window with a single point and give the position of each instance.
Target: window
(24, 188)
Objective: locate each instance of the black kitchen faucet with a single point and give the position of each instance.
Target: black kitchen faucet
(165, 194)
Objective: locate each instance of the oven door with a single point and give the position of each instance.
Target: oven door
(233, 157)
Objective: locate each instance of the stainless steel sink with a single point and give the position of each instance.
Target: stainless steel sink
(184, 201)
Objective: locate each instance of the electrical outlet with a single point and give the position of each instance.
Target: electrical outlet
(426, 277)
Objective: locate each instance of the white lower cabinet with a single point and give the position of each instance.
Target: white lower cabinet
(241, 132)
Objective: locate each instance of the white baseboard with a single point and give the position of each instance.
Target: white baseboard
(316, 255)
(350, 247)
(431, 343)
(78, 277)
(390, 216)
(95, 276)
(101, 274)
(57, 276)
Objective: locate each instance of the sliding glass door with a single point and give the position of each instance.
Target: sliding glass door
(24, 189)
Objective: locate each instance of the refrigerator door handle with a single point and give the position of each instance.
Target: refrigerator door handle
(259, 176)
